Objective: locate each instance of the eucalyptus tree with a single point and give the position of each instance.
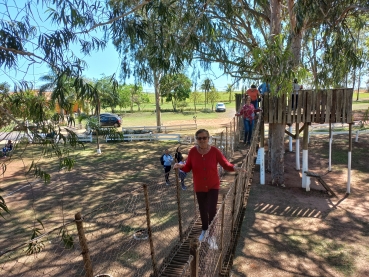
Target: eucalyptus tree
(195, 97)
(107, 87)
(263, 40)
(137, 96)
(167, 33)
(124, 92)
(213, 96)
(175, 88)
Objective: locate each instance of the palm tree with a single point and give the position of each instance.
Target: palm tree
(229, 89)
(206, 86)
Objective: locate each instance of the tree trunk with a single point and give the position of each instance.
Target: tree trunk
(358, 85)
(277, 152)
(276, 130)
(157, 99)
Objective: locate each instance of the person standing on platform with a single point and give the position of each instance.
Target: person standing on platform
(296, 88)
(254, 94)
(264, 88)
(248, 114)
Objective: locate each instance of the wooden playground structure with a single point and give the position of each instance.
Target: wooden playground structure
(310, 106)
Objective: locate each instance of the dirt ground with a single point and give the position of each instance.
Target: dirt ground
(291, 232)
(288, 231)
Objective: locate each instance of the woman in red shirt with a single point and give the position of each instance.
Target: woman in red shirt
(203, 160)
(248, 113)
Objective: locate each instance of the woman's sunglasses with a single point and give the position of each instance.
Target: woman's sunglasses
(202, 138)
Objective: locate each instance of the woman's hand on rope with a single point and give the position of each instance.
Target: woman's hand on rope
(239, 169)
(177, 165)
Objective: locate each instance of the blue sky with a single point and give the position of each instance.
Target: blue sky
(99, 63)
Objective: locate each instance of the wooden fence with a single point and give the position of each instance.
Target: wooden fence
(164, 128)
(144, 137)
(319, 106)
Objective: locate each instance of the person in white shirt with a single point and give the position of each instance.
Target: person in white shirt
(296, 88)
(168, 159)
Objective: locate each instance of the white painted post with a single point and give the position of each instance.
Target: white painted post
(305, 152)
(348, 173)
(262, 166)
(297, 153)
(305, 167)
(357, 136)
(262, 153)
(290, 138)
(349, 160)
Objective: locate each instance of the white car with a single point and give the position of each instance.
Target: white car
(220, 107)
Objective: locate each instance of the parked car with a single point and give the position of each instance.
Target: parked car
(220, 107)
(107, 119)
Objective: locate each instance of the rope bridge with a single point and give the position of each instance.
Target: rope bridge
(150, 231)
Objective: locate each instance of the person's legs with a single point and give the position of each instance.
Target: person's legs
(297, 99)
(202, 201)
(251, 128)
(245, 126)
(255, 103)
(207, 202)
(166, 170)
(212, 203)
(182, 176)
(248, 131)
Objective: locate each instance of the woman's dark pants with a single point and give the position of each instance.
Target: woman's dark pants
(208, 206)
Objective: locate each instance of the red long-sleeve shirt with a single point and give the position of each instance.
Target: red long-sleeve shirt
(204, 168)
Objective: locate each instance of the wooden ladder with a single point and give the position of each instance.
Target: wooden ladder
(321, 181)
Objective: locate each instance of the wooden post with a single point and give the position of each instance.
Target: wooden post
(330, 147)
(290, 138)
(149, 232)
(83, 243)
(297, 146)
(305, 165)
(221, 141)
(226, 143)
(194, 251)
(234, 200)
(222, 235)
(179, 206)
(349, 161)
(234, 131)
